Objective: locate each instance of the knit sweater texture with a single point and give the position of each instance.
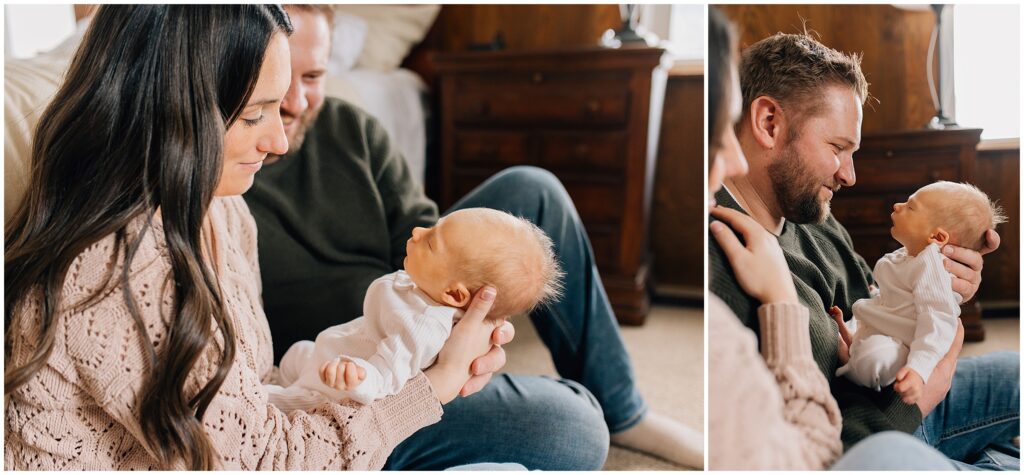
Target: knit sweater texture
(333, 216)
(81, 410)
(771, 411)
(826, 271)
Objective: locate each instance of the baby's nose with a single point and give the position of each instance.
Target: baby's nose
(416, 233)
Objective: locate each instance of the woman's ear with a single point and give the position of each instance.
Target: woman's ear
(940, 237)
(765, 119)
(456, 295)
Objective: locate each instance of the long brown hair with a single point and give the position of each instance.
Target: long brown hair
(138, 125)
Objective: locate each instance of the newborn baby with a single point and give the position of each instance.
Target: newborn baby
(408, 315)
(909, 323)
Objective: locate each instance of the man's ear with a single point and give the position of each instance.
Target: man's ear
(456, 295)
(765, 121)
(940, 237)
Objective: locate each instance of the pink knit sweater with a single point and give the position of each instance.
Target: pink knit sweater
(80, 411)
(773, 410)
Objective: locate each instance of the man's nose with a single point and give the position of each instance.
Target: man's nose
(846, 175)
(294, 102)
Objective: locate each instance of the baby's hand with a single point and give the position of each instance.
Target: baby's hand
(909, 384)
(342, 375)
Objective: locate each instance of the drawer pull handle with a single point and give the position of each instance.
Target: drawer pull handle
(933, 176)
(592, 107)
(888, 154)
(538, 78)
(581, 150)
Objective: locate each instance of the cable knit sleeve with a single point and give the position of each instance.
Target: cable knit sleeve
(771, 411)
(81, 411)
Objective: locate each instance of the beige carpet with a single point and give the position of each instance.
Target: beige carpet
(668, 356)
(1001, 334)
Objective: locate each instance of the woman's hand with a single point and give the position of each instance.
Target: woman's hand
(965, 265)
(470, 339)
(760, 266)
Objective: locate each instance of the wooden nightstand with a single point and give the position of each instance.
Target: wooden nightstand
(591, 116)
(889, 168)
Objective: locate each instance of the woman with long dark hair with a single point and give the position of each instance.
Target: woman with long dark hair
(135, 334)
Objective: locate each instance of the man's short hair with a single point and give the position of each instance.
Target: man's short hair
(794, 69)
(326, 10)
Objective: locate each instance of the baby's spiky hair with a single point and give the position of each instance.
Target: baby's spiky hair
(525, 269)
(968, 215)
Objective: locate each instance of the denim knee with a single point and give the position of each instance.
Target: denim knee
(892, 450)
(583, 414)
(531, 183)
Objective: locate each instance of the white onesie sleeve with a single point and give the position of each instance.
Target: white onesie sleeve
(937, 308)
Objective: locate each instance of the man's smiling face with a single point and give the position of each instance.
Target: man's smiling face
(816, 158)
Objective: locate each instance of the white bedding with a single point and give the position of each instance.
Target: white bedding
(398, 100)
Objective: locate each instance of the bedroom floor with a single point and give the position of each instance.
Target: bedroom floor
(668, 353)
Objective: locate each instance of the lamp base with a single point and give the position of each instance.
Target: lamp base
(627, 37)
(940, 122)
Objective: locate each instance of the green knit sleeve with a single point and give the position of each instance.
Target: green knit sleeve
(405, 204)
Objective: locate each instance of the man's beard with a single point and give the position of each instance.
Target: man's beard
(796, 189)
(304, 122)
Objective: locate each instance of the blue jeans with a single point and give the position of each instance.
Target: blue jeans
(535, 421)
(974, 425)
(892, 450)
(583, 336)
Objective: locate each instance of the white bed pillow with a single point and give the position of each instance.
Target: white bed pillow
(346, 42)
(29, 85)
(392, 32)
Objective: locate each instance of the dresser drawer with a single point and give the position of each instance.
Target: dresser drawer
(540, 79)
(542, 107)
(493, 148)
(910, 171)
(583, 151)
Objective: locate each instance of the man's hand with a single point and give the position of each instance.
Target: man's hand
(472, 338)
(342, 375)
(485, 366)
(965, 265)
(942, 376)
(909, 384)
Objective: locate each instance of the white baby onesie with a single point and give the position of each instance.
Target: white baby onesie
(400, 333)
(910, 322)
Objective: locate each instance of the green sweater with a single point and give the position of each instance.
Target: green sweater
(332, 217)
(826, 271)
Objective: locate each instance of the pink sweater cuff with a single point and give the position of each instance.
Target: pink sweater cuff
(412, 409)
(785, 336)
